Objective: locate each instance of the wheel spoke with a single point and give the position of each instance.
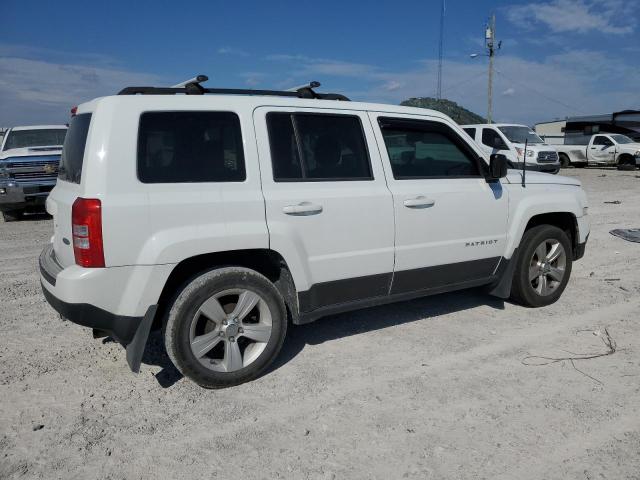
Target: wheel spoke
(257, 332)
(542, 284)
(534, 271)
(202, 344)
(554, 253)
(246, 301)
(556, 274)
(541, 251)
(213, 310)
(232, 356)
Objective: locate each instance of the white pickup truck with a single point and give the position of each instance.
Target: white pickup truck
(603, 149)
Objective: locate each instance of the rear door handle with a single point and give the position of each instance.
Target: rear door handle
(419, 202)
(302, 209)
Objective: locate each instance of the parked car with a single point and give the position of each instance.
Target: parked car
(225, 215)
(603, 149)
(29, 158)
(509, 140)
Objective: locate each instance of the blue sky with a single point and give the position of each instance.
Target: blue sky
(558, 57)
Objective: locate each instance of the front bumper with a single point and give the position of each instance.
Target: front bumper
(14, 196)
(539, 167)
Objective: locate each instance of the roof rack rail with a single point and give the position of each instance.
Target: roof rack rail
(193, 87)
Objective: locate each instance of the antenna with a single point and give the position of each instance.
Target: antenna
(440, 51)
(524, 162)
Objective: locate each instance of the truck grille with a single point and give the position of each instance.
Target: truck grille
(37, 170)
(547, 157)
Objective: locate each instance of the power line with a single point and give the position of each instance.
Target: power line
(551, 99)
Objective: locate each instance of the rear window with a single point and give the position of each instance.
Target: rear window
(317, 147)
(42, 137)
(73, 150)
(190, 147)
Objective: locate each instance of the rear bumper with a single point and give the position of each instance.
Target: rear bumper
(120, 327)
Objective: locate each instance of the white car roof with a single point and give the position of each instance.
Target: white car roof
(255, 101)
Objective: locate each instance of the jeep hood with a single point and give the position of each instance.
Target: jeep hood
(515, 176)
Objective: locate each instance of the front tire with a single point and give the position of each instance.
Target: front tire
(626, 162)
(543, 266)
(12, 215)
(226, 327)
(564, 161)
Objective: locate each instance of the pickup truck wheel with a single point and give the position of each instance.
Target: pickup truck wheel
(564, 161)
(626, 162)
(226, 327)
(543, 268)
(12, 215)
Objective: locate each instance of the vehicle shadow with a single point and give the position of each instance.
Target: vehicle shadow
(340, 326)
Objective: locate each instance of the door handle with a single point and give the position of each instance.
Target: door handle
(302, 209)
(419, 202)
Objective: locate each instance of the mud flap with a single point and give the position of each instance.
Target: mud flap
(502, 289)
(135, 349)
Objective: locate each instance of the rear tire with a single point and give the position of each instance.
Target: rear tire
(226, 327)
(543, 266)
(12, 215)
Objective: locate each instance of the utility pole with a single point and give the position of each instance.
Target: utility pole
(490, 37)
(440, 52)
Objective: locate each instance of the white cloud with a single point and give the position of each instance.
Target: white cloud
(509, 92)
(36, 91)
(582, 16)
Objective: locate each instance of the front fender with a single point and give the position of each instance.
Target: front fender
(531, 200)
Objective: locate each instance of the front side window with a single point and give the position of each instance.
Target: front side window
(41, 137)
(190, 147)
(317, 147)
(492, 139)
(600, 140)
(424, 149)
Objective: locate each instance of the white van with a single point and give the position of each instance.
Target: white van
(509, 139)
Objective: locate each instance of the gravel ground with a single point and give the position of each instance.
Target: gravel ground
(432, 388)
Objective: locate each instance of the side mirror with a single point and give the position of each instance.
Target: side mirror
(498, 165)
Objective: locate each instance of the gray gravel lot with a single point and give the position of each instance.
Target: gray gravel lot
(432, 388)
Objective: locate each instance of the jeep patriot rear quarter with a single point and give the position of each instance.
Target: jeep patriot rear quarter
(220, 217)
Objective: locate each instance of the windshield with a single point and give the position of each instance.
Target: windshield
(520, 134)
(35, 138)
(621, 139)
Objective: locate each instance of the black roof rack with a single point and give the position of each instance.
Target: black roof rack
(193, 87)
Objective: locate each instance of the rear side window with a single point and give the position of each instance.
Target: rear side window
(73, 151)
(471, 132)
(190, 147)
(492, 139)
(424, 149)
(317, 147)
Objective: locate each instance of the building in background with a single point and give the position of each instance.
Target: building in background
(578, 130)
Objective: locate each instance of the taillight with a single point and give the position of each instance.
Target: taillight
(86, 225)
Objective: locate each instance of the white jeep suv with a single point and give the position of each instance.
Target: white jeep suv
(222, 216)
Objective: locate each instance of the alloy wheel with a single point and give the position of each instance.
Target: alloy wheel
(547, 267)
